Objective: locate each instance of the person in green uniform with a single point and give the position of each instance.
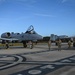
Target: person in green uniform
(69, 44)
(49, 44)
(59, 45)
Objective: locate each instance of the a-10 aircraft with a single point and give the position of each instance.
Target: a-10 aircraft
(29, 35)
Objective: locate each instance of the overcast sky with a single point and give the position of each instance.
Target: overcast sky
(47, 16)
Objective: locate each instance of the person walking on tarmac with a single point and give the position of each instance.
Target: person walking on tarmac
(30, 44)
(59, 45)
(69, 44)
(7, 46)
(49, 44)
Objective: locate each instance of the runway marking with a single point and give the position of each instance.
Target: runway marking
(48, 66)
(41, 71)
(14, 63)
(45, 68)
(42, 68)
(72, 58)
(35, 52)
(33, 72)
(8, 63)
(19, 74)
(67, 60)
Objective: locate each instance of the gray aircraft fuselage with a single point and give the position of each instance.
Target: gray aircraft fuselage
(29, 35)
(22, 36)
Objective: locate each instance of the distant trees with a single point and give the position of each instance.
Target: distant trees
(46, 39)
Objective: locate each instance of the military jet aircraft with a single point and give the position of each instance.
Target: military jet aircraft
(29, 35)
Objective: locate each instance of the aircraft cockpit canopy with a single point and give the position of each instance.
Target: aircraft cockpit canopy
(30, 30)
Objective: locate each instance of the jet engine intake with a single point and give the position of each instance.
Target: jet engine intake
(6, 35)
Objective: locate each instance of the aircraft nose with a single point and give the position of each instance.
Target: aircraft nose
(5, 35)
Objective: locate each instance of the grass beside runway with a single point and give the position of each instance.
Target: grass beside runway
(11, 44)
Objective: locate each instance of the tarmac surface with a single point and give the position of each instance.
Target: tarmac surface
(37, 61)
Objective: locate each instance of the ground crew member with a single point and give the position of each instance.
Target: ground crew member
(49, 44)
(74, 44)
(30, 44)
(56, 43)
(7, 46)
(69, 44)
(59, 45)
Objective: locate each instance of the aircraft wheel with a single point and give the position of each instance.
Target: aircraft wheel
(74, 44)
(24, 45)
(56, 44)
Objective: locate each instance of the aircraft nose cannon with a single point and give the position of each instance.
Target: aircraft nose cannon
(6, 35)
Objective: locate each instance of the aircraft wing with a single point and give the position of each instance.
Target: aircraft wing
(8, 39)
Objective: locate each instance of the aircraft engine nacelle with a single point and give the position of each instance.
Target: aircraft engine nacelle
(6, 35)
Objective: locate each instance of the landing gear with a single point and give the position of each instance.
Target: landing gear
(73, 44)
(24, 44)
(7, 46)
(30, 44)
(56, 44)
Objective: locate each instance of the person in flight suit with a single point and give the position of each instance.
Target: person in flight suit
(69, 44)
(49, 44)
(59, 45)
(7, 45)
(31, 44)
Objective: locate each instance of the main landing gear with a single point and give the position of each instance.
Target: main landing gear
(24, 44)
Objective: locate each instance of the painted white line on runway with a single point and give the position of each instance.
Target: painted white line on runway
(66, 60)
(72, 58)
(47, 66)
(19, 74)
(14, 63)
(33, 72)
(42, 63)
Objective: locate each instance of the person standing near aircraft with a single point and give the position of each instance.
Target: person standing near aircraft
(56, 43)
(59, 45)
(69, 44)
(7, 46)
(73, 40)
(30, 44)
(49, 44)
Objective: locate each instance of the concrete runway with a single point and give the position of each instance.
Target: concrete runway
(37, 61)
